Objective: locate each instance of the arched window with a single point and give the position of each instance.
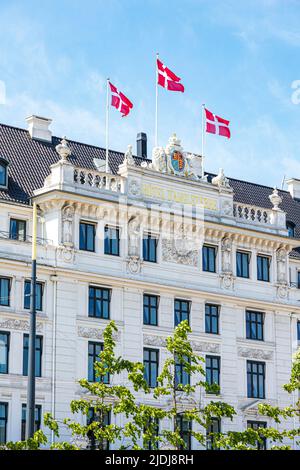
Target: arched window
(3, 173)
(291, 229)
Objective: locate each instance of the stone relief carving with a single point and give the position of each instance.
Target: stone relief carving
(95, 333)
(227, 280)
(134, 237)
(152, 340)
(195, 166)
(174, 251)
(226, 248)
(220, 180)
(281, 258)
(205, 347)
(134, 264)
(66, 254)
(282, 291)
(67, 225)
(255, 353)
(134, 188)
(227, 208)
(11, 324)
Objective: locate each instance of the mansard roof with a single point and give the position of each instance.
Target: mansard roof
(30, 160)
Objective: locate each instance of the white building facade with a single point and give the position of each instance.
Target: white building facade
(146, 245)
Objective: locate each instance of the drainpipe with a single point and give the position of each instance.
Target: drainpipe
(53, 367)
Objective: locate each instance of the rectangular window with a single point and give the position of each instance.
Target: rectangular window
(150, 248)
(212, 319)
(17, 229)
(95, 444)
(209, 258)
(94, 351)
(151, 366)
(255, 325)
(111, 241)
(242, 264)
(256, 425)
(39, 295)
(255, 379)
(152, 445)
(99, 302)
(185, 430)
(3, 422)
(37, 420)
(298, 279)
(87, 236)
(181, 311)
(4, 352)
(263, 268)
(38, 355)
(4, 291)
(150, 309)
(213, 428)
(212, 364)
(182, 377)
(298, 330)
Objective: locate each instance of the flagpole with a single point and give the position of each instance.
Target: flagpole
(30, 408)
(156, 102)
(107, 127)
(203, 134)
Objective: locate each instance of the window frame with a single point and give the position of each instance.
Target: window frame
(298, 331)
(101, 299)
(147, 237)
(41, 286)
(210, 430)
(85, 247)
(257, 324)
(182, 377)
(26, 352)
(210, 370)
(5, 419)
(95, 357)
(263, 257)
(8, 279)
(185, 433)
(17, 237)
(148, 363)
(4, 164)
(37, 422)
(259, 424)
(90, 419)
(108, 227)
(290, 226)
(210, 317)
(7, 346)
(243, 254)
(207, 248)
(254, 376)
(150, 307)
(180, 312)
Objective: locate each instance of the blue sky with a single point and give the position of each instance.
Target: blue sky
(239, 57)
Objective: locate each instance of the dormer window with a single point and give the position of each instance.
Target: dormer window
(3, 173)
(291, 229)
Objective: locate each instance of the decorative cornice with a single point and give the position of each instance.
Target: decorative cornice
(94, 333)
(153, 340)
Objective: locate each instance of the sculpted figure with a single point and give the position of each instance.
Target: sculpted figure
(134, 237)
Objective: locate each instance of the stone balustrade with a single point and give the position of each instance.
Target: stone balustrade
(98, 180)
(252, 214)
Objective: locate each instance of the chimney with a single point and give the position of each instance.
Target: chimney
(38, 128)
(294, 187)
(141, 145)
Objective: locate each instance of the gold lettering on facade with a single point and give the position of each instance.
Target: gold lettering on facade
(157, 192)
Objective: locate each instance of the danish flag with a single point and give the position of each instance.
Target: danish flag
(167, 79)
(120, 101)
(216, 124)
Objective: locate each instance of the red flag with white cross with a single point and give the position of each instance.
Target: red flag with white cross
(167, 79)
(120, 101)
(217, 125)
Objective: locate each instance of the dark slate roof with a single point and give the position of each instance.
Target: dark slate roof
(30, 160)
